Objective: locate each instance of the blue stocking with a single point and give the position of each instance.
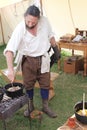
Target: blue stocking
(44, 93)
(30, 93)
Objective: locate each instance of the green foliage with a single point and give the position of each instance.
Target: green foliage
(2, 58)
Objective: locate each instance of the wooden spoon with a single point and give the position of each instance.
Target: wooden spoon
(83, 111)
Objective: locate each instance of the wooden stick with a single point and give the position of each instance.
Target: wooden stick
(83, 111)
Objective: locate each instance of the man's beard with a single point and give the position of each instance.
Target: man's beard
(31, 26)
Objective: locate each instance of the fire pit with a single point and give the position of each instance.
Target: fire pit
(10, 106)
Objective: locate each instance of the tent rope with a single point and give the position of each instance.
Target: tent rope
(71, 14)
(41, 6)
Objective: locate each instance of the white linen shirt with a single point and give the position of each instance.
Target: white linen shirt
(26, 43)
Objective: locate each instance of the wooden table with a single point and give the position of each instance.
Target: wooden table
(75, 46)
(79, 126)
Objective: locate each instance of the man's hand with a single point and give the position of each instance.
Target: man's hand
(56, 52)
(11, 75)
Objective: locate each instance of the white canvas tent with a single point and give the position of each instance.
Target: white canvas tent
(64, 15)
(10, 15)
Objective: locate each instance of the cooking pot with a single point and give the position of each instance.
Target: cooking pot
(1, 93)
(81, 118)
(14, 89)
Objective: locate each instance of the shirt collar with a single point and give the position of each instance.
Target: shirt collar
(39, 25)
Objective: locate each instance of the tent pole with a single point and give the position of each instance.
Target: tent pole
(41, 7)
(2, 30)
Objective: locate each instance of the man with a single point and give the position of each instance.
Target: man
(32, 39)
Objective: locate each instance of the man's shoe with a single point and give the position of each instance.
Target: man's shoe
(47, 110)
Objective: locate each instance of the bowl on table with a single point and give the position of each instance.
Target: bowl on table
(78, 110)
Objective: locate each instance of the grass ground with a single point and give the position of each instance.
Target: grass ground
(69, 89)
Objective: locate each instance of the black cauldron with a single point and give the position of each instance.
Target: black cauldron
(15, 93)
(81, 118)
